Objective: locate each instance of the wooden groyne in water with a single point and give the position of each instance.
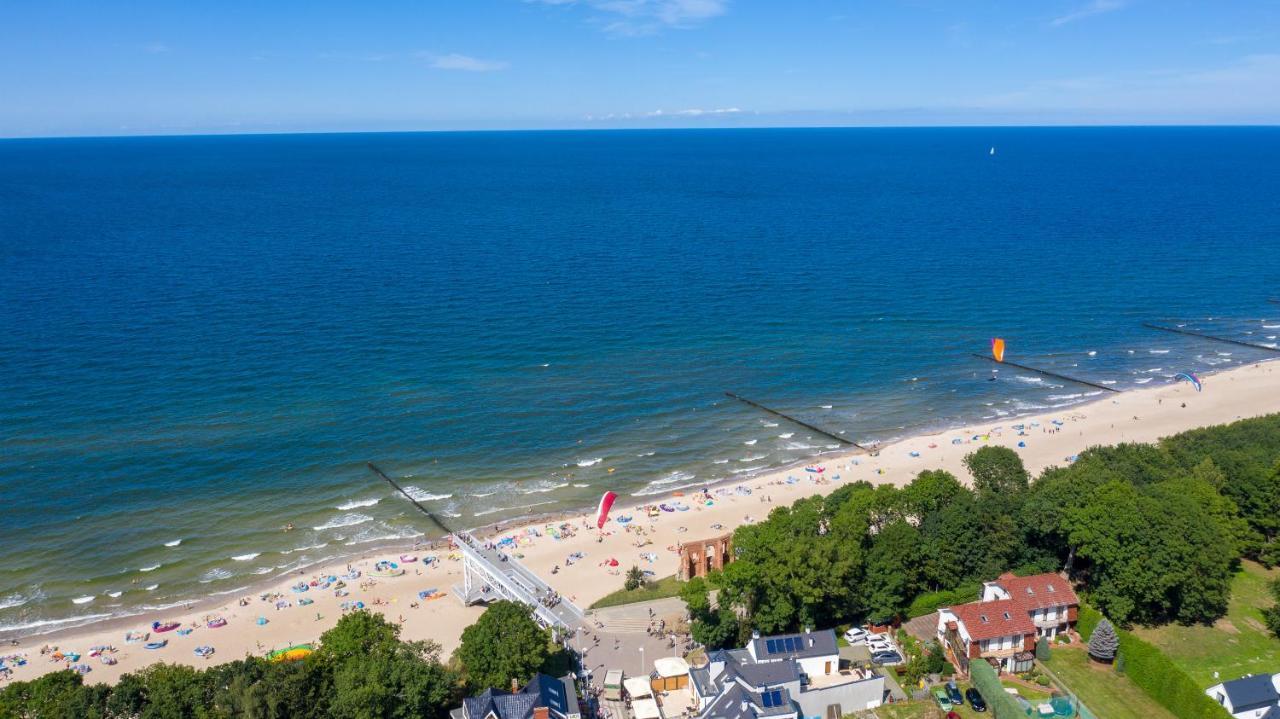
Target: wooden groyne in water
(1047, 373)
(793, 420)
(1228, 340)
(409, 497)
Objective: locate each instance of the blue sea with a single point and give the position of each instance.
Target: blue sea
(205, 338)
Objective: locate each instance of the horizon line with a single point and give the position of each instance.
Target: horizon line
(680, 128)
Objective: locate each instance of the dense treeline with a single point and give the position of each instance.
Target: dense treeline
(362, 670)
(1152, 533)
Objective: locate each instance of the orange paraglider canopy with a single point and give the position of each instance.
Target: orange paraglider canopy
(997, 349)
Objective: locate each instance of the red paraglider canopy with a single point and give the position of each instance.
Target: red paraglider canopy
(613, 562)
(602, 514)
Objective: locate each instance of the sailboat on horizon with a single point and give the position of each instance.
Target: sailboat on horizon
(993, 150)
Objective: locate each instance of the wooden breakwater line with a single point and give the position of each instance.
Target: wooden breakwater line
(409, 497)
(1228, 340)
(1047, 373)
(793, 420)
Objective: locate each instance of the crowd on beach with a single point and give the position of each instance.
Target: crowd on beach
(638, 524)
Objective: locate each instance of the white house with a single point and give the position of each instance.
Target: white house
(1256, 696)
(788, 676)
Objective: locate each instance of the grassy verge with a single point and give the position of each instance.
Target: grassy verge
(1109, 695)
(659, 589)
(1236, 645)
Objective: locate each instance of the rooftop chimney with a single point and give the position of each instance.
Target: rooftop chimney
(755, 634)
(541, 713)
(515, 686)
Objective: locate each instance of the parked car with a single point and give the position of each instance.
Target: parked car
(878, 641)
(855, 635)
(941, 697)
(975, 699)
(953, 693)
(889, 657)
(952, 715)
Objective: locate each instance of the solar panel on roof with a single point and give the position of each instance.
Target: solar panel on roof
(789, 644)
(771, 645)
(771, 698)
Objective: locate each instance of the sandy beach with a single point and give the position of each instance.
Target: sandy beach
(1048, 439)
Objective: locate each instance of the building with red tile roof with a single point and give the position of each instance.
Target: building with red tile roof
(1010, 614)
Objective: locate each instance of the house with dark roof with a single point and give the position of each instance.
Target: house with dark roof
(1256, 696)
(787, 676)
(1010, 614)
(544, 697)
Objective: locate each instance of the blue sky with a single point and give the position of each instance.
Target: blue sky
(92, 67)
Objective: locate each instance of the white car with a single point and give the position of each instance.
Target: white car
(855, 635)
(880, 644)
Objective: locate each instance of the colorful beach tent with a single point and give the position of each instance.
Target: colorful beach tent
(997, 349)
(1194, 380)
(606, 503)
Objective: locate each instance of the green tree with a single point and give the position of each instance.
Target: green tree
(892, 571)
(997, 471)
(1104, 642)
(799, 567)
(634, 580)
(713, 628)
(58, 695)
(406, 682)
(504, 644)
(1043, 651)
(1271, 614)
(930, 491)
(358, 634)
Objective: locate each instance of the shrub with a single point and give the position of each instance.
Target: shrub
(929, 603)
(635, 579)
(1043, 653)
(1042, 680)
(988, 684)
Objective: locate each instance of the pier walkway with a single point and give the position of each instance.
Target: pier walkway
(489, 575)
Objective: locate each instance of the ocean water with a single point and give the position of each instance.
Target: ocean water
(205, 338)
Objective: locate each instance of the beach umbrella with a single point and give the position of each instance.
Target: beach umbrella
(613, 562)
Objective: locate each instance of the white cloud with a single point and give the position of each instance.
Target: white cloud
(466, 63)
(657, 114)
(1097, 7)
(642, 17)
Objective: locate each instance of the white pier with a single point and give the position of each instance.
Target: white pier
(488, 575)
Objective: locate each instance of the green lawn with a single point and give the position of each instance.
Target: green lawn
(659, 589)
(1236, 645)
(1107, 694)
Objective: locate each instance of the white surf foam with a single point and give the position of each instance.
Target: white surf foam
(152, 568)
(344, 520)
(174, 543)
(421, 495)
(247, 557)
(358, 503)
(82, 600)
(214, 575)
(590, 462)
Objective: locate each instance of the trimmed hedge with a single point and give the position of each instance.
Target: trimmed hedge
(929, 603)
(1155, 674)
(988, 685)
